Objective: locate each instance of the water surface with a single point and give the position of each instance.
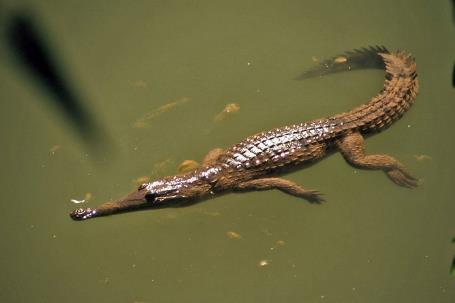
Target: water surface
(371, 242)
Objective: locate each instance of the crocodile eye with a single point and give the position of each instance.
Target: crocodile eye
(142, 186)
(150, 197)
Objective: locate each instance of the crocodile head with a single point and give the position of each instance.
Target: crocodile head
(159, 193)
(135, 199)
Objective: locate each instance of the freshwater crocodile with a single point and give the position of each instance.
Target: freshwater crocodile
(257, 162)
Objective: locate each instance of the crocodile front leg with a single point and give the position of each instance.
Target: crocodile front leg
(284, 185)
(209, 159)
(353, 150)
(212, 156)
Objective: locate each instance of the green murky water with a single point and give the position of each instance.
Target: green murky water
(371, 242)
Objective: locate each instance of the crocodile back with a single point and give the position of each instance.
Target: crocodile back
(282, 146)
(307, 142)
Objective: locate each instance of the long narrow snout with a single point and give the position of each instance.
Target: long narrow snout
(171, 190)
(136, 199)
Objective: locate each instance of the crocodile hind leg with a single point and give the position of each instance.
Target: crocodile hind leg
(284, 185)
(352, 148)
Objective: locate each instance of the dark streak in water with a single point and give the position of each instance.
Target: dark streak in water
(453, 11)
(453, 76)
(452, 268)
(33, 53)
(453, 20)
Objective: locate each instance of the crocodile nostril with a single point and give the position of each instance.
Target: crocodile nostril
(82, 214)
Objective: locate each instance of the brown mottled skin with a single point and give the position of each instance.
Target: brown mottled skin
(257, 162)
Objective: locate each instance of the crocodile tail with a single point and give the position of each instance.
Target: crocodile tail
(364, 58)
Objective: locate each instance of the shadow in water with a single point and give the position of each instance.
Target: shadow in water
(452, 268)
(453, 75)
(34, 54)
(453, 11)
(453, 20)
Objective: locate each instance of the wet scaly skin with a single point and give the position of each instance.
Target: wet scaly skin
(257, 162)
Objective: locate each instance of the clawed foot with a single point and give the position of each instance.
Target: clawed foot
(402, 178)
(314, 196)
(82, 214)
